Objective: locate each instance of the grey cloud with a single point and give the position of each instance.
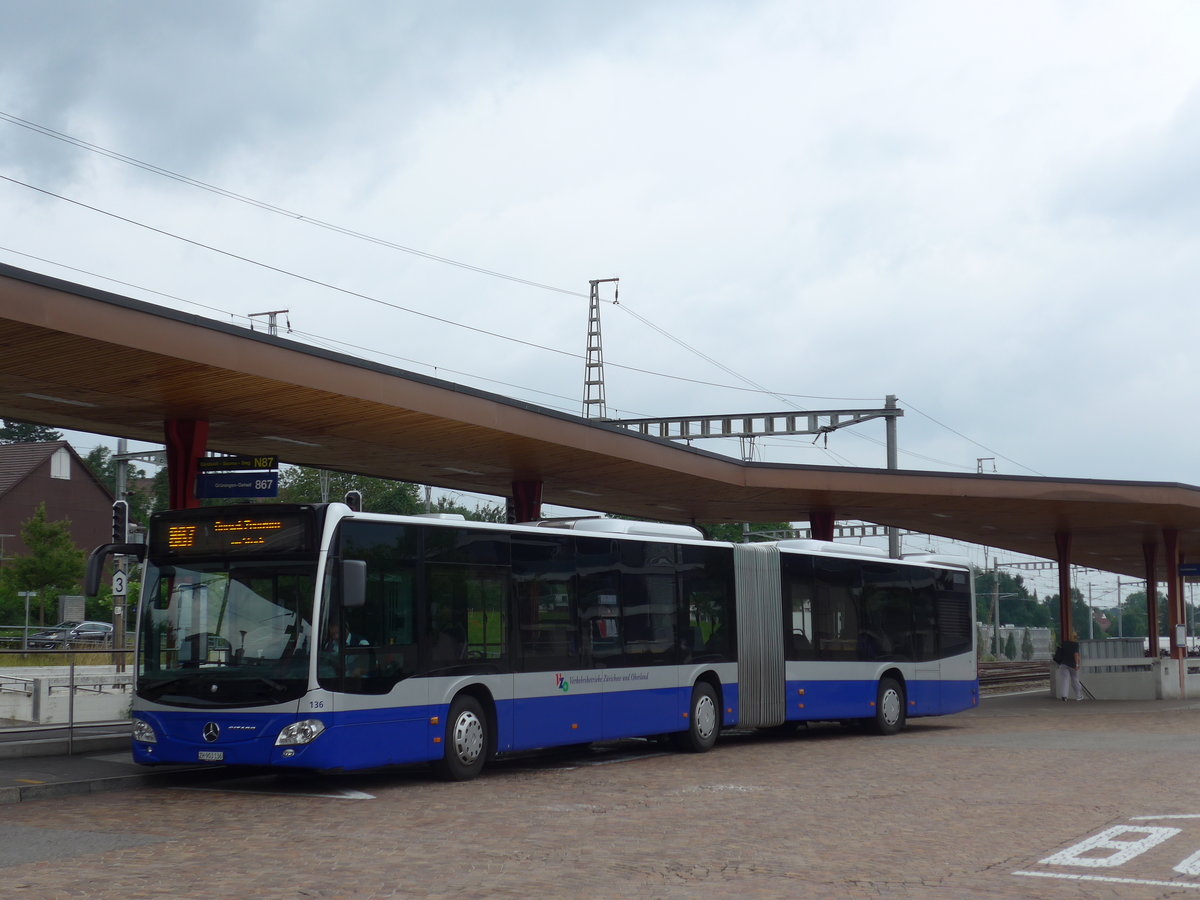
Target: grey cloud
(1151, 180)
(180, 84)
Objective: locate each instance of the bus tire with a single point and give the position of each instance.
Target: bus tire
(889, 707)
(465, 741)
(704, 721)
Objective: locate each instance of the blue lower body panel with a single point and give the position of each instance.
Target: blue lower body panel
(830, 700)
(351, 739)
(959, 695)
(581, 718)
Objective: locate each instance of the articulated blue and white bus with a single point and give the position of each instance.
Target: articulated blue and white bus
(317, 637)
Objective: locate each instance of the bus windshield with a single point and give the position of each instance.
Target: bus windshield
(224, 633)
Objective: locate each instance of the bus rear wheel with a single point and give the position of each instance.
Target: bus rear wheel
(465, 743)
(704, 721)
(889, 707)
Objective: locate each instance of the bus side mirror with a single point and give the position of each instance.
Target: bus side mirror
(354, 583)
(95, 563)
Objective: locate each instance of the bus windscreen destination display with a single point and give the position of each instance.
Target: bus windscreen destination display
(251, 532)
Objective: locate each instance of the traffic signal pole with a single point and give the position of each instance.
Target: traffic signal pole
(120, 535)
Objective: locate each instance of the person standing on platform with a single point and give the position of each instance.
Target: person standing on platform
(1067, 658)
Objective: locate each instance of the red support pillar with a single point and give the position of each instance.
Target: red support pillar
(526, 503)
(186, 442)
(820, 523)
(1175, 615)
(1149, 552)
(1062, 542)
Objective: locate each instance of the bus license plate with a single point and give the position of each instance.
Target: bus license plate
(211, 755)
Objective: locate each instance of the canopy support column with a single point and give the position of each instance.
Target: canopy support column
(525, 504)
(186, 442)
(1175, 616)
(820, 522)
(1062, 542)
(1149, 552)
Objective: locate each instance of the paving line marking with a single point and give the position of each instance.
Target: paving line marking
(1111, 880)
(346, 794)
(1152, 818)
(609, 762)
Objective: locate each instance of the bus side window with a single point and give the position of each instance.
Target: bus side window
(380, 637)
(954, 613)
(600, 609)
(887, 622)
(798, 590)
(649, 603)
(924, 636)
(706, 587)
(543, 573)
(836, 601)
(468, 616)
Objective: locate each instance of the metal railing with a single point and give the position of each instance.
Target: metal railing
(52, 673)
(19, 641)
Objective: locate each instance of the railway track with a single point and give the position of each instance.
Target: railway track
(995, 676)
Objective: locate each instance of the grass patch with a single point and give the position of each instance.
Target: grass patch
(35, 658)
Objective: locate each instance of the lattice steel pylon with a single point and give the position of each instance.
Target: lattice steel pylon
(594, 406)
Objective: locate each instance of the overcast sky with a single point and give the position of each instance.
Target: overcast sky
(990, 210)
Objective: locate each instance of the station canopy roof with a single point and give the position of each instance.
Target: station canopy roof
(78, 358)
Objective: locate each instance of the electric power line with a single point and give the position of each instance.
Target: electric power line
(360, 295)
(268, 207)
(969, 440)
(193, 182)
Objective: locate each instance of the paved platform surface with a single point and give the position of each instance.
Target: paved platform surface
(1026, 797)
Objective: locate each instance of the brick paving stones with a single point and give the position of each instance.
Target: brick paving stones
(951, 808)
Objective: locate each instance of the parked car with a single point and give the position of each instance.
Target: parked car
(90, 633)
(66, 634)
(49, 638)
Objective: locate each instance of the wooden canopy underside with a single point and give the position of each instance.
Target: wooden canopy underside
(77, 358)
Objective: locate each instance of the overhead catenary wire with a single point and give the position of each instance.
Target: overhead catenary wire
(269, 207)
(969, 440)
(752, 386)
(363, 296)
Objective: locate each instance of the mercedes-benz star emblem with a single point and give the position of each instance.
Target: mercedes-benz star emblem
(211, 731)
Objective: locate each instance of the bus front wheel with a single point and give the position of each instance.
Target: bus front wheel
(889, 707)
(465, 741)
(704, 720)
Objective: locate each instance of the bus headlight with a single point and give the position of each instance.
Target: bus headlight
(304, 732)
(143, 733)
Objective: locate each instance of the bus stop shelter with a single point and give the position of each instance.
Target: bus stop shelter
(75, 357)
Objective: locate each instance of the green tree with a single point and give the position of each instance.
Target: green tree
(302, 484)
(1017, 605)
(52, 565)
(733, 532)
(479, 513)
(104, 467)
(1010, 646)
(1080, 613)
(14, 432)
(1027, 646)
(1134, 620)
(161, 490)
(984, 645)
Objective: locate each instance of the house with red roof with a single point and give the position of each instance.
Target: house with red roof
(54, 474)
